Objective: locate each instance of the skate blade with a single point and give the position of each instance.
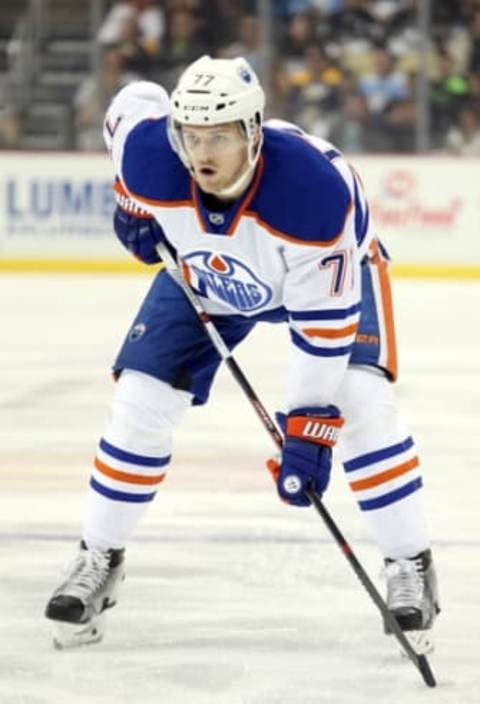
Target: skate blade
(74, 635)
(421, 641)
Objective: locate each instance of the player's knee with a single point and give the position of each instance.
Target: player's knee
(145, 409)
(364, 396)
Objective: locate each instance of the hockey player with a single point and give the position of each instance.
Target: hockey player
(269, 225)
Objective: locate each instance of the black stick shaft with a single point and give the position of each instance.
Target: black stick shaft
(420, 661)
(258, 406)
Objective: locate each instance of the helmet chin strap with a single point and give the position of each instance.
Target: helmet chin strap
(239, 185)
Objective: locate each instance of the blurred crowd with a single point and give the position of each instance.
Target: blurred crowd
(345, 70)
(348, 71)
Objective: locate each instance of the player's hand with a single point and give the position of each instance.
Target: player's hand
(140, 235)
(306, 460)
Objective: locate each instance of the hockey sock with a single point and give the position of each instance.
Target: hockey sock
(381, 464)
(132, 457)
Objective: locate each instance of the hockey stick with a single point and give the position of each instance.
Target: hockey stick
(420, 661)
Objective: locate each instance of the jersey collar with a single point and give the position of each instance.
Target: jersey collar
(224, 222)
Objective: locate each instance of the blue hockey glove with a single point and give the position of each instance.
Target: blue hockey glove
(310, 434)
(138, 234)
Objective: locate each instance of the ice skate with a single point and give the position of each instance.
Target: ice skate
(78, 605)
(412, 598)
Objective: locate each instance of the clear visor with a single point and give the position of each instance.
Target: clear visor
(215, 141)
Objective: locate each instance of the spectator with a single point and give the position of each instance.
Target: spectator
(383, 89)
(93, 98)
(446, 13)
(223, 19)
(349, 127)
(448, 93)
(463, 139)
(9, 123)
(352, 28)
(392, 17)
(353, 21)
(384, 84)
(136, 28)
(399, 121)
(299, 34)
(9, 128)
(294, 7)
(474, 61)
(183, 44)
(313, 96)
(247, 42)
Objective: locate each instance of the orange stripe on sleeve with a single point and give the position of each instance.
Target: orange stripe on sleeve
(387, 305)
(331, 333)
(125, 476)
(161, 203)
(386, 476)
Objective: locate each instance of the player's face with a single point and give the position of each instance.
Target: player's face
(218, 154)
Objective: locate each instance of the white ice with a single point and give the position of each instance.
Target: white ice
(230, 596)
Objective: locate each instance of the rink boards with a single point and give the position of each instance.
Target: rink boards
(56, 211)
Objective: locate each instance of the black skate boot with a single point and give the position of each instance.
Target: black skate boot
(412, 597)
(90, 587)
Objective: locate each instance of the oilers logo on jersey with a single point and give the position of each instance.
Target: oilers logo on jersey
(226, 279)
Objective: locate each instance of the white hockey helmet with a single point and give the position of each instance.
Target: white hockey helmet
(216, 91)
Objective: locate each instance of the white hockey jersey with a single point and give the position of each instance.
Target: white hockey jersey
(293, 242)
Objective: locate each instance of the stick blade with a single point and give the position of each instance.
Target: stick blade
(427, 674)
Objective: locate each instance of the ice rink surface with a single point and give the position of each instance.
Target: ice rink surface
(230, 597)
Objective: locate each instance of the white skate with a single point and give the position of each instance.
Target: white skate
(77, 607)
(412, 598)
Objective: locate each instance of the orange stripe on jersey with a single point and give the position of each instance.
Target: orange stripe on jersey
(296, 240)
(248, 198)
(127, 204)
(386, 476)
(196, 206)
(186, 273)
(120, 188)
(125, 476)
(161, 203)
(331, 333)
(387, 305)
